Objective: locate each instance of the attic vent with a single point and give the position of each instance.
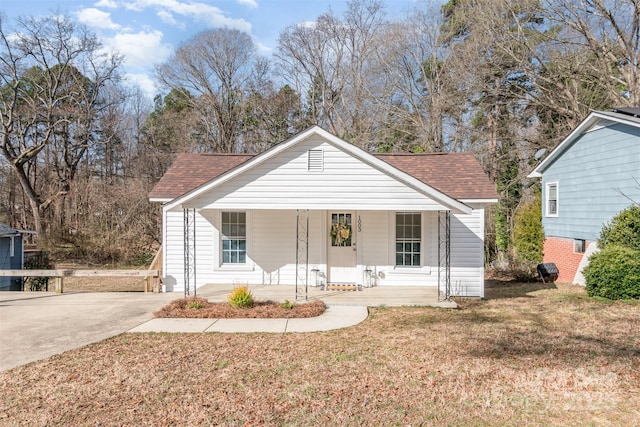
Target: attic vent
(315, 161)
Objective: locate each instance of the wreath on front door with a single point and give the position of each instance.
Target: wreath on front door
(340, 233)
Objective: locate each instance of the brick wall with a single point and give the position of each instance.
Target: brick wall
(560, 251)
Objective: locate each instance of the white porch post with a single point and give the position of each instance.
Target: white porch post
(189, 216)
(302, 254)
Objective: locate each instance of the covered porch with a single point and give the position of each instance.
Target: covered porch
(298, 247)
(375, 296)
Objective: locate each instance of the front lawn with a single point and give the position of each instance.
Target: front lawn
(530, 355)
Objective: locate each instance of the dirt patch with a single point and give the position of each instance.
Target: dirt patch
(196, 307)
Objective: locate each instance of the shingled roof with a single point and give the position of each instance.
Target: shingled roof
(458, 175)
(191, 170)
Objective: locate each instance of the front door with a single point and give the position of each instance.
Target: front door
(342, 248)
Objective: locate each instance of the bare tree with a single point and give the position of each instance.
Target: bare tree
(220, 68)
(52, 76)
(333, 60)
(607, 33)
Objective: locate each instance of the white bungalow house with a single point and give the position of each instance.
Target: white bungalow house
(316, 210)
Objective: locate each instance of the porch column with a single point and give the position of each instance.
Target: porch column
(302, 254)
(189, 228)
(444, 255)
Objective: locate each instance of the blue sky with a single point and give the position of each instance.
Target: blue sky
(146, 32)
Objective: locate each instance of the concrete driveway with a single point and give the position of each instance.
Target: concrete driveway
(36, 325)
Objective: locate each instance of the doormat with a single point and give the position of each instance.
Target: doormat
(342, 287)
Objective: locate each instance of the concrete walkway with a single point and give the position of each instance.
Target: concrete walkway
(335, 317)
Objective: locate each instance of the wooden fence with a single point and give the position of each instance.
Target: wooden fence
(152, 283)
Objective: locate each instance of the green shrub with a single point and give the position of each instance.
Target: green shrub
(614, 273)
(196, 304)
(288, 305)
(623, 230)
(528, 235)
(241, 297)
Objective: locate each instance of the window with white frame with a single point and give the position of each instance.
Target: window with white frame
(552, 199)
(234, 237)
(408, 239)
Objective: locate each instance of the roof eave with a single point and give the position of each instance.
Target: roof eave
(482, 201)
(160, 199)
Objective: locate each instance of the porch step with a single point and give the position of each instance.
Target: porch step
(342, 287)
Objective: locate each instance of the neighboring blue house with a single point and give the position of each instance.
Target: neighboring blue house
(591, 176)
(11, 256)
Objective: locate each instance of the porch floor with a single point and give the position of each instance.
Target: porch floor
(375, 296)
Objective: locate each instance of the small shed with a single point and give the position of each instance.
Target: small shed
(11, 256)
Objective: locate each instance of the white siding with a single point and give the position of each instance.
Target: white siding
(271, 250)
(284, 182)
(467, 254)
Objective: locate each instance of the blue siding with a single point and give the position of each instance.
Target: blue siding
(8, 262)
(594, 174)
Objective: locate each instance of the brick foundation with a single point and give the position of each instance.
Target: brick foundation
(560, 251)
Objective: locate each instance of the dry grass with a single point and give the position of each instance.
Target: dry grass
(196, 307)
(531, 355)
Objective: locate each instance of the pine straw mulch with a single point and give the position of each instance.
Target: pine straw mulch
(531, 354)
(196, 307)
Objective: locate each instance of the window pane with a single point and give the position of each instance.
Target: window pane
(234, 231)
(408, 237)
(416, 259)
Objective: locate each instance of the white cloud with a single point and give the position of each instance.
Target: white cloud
(146, 83)
(250, 3)
(262, 48)
(95, 18)
(307, 24)
(201, 12)
(109, 4)
(140, 49)
(168, 18)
